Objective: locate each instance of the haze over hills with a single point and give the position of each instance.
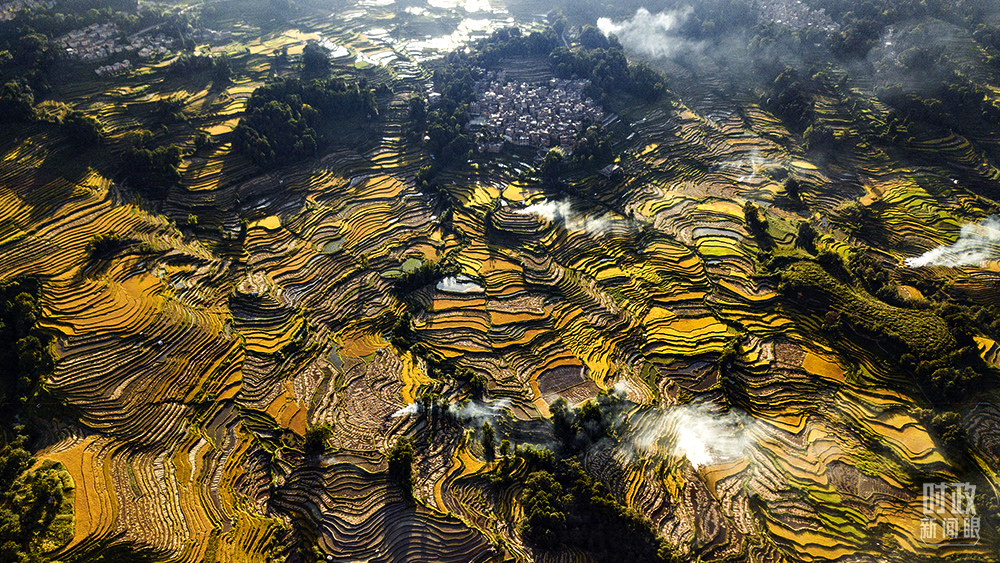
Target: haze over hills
(336, 280)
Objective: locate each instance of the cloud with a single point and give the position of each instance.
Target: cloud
(562, 212)
(460, 284)
(475, 413)
(411, 409)
(653, 35)
(699, 433)
(977, 243)
(753, 167)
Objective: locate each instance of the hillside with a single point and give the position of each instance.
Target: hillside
(271, 299)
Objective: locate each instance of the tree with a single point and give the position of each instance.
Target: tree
(564, 506)
(281, 120)
(16, 102)
(477, 384)
(562, 421)
(315, 439)
(558, 21)
(201, 139)
(223, 70)
(103, 245)
(757, 224)
(418, 113)
(792, 190)
(29, 499)
(592, 38)
(24, 350)
(819, 138)
(948, 426)
(860, 220)
(35, 50)
(139, 138)
(401, 466)
(807, 236)
(544, 515)
(156, 168)
(315, 59)
(489, 442)
(82, 129)
(552, 165)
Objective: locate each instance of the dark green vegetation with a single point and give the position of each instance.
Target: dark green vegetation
(221, 67)
(104, 245)
(151, 170)
(609, 72)
(315, 439)
(83, 129)
(565, 507)
(35, 511)
(16, 102)
(282, 119)
(400, 460)
(23, 346)
(930, 342)
(916, 330)
(578, 428)
(315, 59)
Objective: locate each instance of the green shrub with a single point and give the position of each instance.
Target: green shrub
(401, 466)
(315, 439)
(104, 245)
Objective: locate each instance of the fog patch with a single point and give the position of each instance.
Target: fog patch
(976, 244)
(752, 168)
(653, 35)
(700, 433)
(562, 212)
(473, 413)
(460, 284)
(412, 409)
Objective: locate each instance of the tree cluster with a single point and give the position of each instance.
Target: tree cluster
(401, 466)
(315, 59)
(23, 347)
(565, 507)
(30, 501)
(82, 129)
(577, 428)
(609, 72)
(17, 102)
(594, 148)
(281, 120)
(103, 245)
(511, 42)
(444, 125)
(220, 66)
(68, 15)
(316, 437)
(426, 274)
(152, 170)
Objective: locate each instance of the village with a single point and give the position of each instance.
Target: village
(100, 41)
(523, 115)
(796, 14)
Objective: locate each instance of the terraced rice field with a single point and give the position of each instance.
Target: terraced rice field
(196, 369)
